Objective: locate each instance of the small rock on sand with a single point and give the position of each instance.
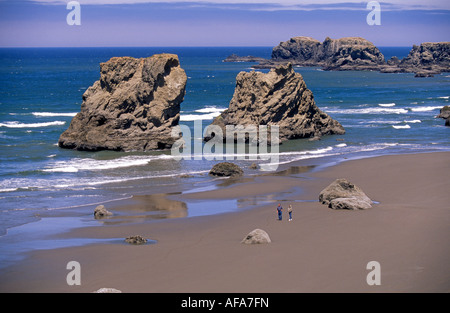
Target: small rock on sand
(136, 240)
(256, 236)
(101, 212)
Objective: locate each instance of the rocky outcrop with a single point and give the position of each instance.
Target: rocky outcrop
(356, 53)
(349, 53)
(133, 106)
(280, 98)
(226, 169)
(256, 236)
(342, 194)
(445, 114)
(433, 57)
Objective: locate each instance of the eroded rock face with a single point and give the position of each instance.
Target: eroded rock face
(133, 106)
(428, 55)
(281, 98)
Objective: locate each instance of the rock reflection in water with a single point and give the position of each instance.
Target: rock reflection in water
(144, 207)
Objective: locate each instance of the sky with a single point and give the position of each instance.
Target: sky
(143, 23)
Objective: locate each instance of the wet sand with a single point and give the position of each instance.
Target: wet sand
(321, 250)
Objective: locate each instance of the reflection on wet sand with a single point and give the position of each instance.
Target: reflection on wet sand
(143, 207)
(293, 170)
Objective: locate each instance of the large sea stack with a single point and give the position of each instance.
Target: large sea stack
(132, 107)
(281, 98)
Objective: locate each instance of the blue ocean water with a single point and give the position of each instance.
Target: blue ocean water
(41, 89)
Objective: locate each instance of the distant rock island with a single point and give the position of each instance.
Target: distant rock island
(132, 107)
(356, 53)
(248, 58)
(281, 98)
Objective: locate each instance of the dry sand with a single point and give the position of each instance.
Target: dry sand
(321, 250)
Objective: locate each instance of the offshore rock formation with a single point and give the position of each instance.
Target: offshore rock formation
(133, 106)
(349, 53)
(248, 58)
(281, 98)
(427, 59)
(355, 53)
(445, 114)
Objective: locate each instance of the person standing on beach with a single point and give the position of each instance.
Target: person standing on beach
(290, 212)
(280, 212)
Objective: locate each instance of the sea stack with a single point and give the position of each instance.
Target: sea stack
(132, 107)
(281, 98)
(428, 58)
(348, 53)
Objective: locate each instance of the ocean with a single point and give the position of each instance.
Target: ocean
(41, 89)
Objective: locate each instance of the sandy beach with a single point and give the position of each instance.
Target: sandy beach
(321, 250)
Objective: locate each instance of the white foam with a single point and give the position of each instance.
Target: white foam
(426, 108)
(386, 105)
(196, 117)
(16, 124)
(341, 145)
(8, 189)
(210, 110)
(370, 111)
(401, 126)
(446, 97)
(380, 122)
(51, 114)
(77, 164)
(414, 121)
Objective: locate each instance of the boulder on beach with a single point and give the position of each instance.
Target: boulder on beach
(226, 169)
(278, 98)
(342, 194)
(132, 107)
(101, 212)
(136, 240)
(256, 236)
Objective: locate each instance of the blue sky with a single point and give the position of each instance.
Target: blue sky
(42, 23)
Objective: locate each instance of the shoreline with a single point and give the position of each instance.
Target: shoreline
(204, 254)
